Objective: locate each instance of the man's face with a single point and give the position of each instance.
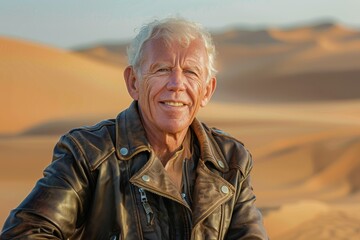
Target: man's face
(172, 86)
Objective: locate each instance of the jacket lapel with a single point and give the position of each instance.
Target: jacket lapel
(210, 189)
(153, 177)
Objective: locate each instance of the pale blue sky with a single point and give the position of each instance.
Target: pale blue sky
(69, 23)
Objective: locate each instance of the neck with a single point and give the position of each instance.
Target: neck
(165, 145)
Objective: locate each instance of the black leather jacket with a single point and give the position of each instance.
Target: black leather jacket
(105, 183)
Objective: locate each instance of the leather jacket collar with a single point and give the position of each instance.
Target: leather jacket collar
(136, 142)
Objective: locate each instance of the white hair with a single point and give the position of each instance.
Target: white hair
(170, 30)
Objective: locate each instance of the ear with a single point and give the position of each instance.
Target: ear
(209, 91)
(131, 82)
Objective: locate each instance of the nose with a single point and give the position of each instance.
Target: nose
(176, 81)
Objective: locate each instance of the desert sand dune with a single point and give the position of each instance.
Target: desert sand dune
(280, 221)
(323, 167)
(40, 83)
(312, 166)
(315, 220)
(311, 33)
(246, 37)
(110, 54)
(346, 164)
(291, 73)
(302, 61)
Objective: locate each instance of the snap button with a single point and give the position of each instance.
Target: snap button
(225, 189)
(221, 164)
(145, 178)
(124, 151)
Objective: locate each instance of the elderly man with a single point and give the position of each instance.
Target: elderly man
(154, 172)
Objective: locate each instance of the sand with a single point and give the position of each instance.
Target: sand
(40, 84)
(306, 152)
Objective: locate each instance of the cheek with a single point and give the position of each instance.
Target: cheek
(196, 89)
(150, 89)
(144, 88)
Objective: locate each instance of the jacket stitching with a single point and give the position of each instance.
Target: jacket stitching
(77, 146)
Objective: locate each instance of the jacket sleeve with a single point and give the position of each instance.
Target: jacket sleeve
(246, 222)
(57, 203)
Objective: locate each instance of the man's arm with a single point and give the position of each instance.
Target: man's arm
(56, 205)
(246, 222)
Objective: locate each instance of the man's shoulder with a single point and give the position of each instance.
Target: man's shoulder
(225, 135)
(222, 135)
(94, 132)
(233, 150)
(96, 142)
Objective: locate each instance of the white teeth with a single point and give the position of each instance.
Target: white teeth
(174, 104)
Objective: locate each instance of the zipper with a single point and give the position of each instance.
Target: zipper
(149, 212)
(186, 197)
(186, 184)
(187, 218)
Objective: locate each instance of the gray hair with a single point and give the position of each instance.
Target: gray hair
(172, 29)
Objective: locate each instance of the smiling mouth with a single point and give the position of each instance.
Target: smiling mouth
(174, 104)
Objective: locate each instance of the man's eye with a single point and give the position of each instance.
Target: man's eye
(190, 72)
(163, 70)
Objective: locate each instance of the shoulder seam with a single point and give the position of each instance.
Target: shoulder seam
(103, 125)
(78, 148)
(95, 127)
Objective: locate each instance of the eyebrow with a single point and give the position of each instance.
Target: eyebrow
(158, 65)
(190, 65)
(194, 67)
